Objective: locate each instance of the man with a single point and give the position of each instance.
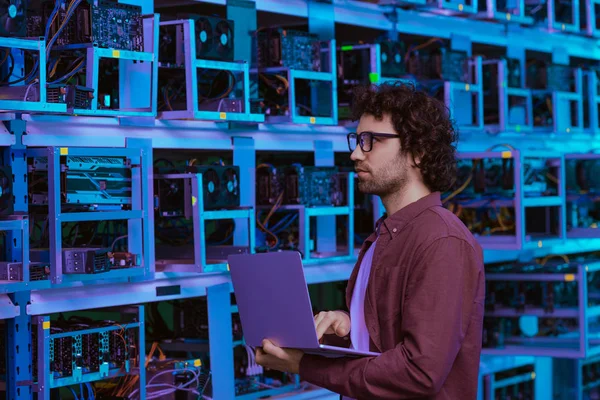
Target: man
(416, 294)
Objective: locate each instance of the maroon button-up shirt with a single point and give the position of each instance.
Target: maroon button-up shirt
(423, 310)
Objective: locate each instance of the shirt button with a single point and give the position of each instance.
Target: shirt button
(394, 230)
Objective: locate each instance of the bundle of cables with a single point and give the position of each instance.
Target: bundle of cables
(253, 368)
(90, 390)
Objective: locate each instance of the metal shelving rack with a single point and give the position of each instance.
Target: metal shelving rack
(581, 342)
(133, 62)
(326, 76)
(200, 262)
(41, 105)
(46, 353)
(139, 219)
(513, 13)
(186, 41)
(92, 134)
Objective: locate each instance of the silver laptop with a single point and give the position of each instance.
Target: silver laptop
(273, 303)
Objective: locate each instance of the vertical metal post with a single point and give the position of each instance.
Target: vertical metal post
(326, 225)
(321, 19)
(544, 377)
(199, 228)
(55, 214)
(518, 53)
(18, 329)
(562, 193)
(141, 232)
(142, 352)
(197, 222)
(220, 340)
(16, 157)
(191, 76)
(321, 22)
(244, 156)
(18, 347)
(92, 63)
(243, 15)
(520, 229)
(43, 357)
(461, 43)
(584, 323)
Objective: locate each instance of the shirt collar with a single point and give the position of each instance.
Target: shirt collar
(393, 224)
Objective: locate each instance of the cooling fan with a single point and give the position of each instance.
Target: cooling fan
(392, 59)
(170, 195)
(214, 38)
(167, 47)
(230, 182)
(212, 187)
(224, 39)
(204, 37)
(12, 18)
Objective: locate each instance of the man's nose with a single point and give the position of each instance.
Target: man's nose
(357, 154)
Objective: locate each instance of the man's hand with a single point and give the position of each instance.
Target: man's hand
(277, 358)
(329, 322)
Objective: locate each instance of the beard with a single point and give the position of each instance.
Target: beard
(383, 181)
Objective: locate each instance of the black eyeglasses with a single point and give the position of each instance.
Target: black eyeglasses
(365, 139)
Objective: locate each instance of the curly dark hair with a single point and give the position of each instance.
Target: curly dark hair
(423, 123)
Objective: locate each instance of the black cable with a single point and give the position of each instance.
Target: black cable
(12, 67)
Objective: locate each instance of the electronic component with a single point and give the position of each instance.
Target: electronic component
(77, 261)
(392, 58)
(296, 184)
(314, 186)
(507, 105)
(535, 307)
(198, 77)
(102, 23)
(220, 190)
(441, 63)
(560, 78)
(487, 198)
(11, 271)
(220, 185)
(269, 185)
(556, 15)
(192, 320)
(179, 375)
(214, 38)
(74, 96)
(540, 177)
(511, 382)
(13, 18)
(84, 181)
(281, 47)
(557, 96)
(548, 76)
(86, 349)
(583, 191)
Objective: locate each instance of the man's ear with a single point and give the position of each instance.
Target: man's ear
(416, 160)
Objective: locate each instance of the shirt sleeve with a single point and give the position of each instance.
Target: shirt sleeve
(438, 305)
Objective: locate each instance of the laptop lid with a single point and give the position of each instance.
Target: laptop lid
(273, 299)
